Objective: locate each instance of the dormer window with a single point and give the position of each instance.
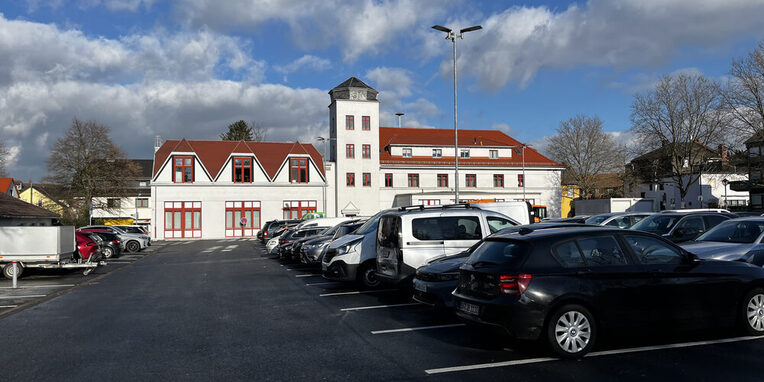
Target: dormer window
(464, 154)
(493, 154)
(407, 153)
(437, 153)
(183, 169)
(298, 171)
(242, 170)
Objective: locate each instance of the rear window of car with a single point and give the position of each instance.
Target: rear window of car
(498, 252)
(447, 228)
(592, 251)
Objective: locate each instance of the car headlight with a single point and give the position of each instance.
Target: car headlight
(347, 247)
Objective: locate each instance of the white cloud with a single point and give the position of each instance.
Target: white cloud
(503, 127)
(307, 61)
(140, 85)
(35, 51)
(396, 86)
(358, 27)
(520, 41)
(642, 82)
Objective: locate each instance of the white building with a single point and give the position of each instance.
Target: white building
(709, 191)
(217, 189)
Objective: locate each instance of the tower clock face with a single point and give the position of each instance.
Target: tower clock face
(355, 94)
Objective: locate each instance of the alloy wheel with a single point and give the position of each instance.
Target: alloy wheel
(572, 331)
(755, 312)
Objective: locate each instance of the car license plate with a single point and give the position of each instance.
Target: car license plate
(420, 287)
(468, 308)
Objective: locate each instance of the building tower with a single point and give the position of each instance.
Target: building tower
(354, 135)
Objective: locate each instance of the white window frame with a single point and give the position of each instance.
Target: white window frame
(493, 154)
(407, 152)
(437, 153)
(464, 153)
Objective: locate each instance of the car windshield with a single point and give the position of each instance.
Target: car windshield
(658, 224)
(734, 232)
(597, 219)
(371, 224)
(498, 252)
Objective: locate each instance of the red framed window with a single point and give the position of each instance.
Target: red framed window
(470, 180)
(182, 220)
(367, 179)
(183, 169)
(413, 180)
(242, 170)
(349, 122)
(366, 151)
(298, 170)
(350, 151)
(429, 202)
(520, 180)
(442, 180)
(295, 209)
(366, 122)
(350, 177)
(498, 180)
(388, 180)
(242, 219)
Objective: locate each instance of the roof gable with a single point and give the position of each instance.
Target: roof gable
(214, 154)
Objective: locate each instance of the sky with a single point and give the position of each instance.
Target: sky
(188, 68)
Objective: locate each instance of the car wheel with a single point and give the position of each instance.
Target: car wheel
(368, 277)
(132, 246)
(8, 270)
(571, 331)
(108, 252)
(753, 312)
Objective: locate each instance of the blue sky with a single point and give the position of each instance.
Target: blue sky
(190, 67)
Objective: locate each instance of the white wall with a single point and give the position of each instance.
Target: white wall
(710, 186)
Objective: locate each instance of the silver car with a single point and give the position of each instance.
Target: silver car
(618, 219)
(735, 239)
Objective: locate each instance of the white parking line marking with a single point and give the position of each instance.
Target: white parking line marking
(27, 296)
(593, 354)
(8, 306)
(41, 286)
(212, 249)
(308, 275)
(356, 292)
(415, 329)
(230, 248)
(326, 283)
(377, 307)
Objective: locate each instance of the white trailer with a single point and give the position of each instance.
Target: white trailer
(39, 247)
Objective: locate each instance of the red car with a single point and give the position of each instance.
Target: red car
(85, 245)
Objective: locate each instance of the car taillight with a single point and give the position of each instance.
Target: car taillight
(282, 241)
(116, 241)
(265, 233)
(514, 284)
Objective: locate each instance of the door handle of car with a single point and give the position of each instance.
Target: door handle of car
(424, 242)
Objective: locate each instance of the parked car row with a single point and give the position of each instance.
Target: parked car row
(561, 282)
(120, 237)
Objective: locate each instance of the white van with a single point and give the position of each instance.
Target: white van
(520, 212)
(416, 236)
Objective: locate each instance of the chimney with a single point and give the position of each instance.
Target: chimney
(723, 153)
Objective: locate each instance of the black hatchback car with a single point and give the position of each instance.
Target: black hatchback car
(565, 285)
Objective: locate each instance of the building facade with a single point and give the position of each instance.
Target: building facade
(218, 189)
(132, 208)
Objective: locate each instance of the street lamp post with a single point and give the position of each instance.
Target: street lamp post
(452, 35)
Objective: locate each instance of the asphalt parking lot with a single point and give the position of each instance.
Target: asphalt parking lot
(37, 285)
(221, 309)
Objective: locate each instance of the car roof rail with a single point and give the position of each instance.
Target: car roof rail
(420, 207)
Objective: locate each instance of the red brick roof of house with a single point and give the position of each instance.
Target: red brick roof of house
(214, 154)
(6, 184)
(467, 138)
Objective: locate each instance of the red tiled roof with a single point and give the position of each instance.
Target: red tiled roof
(5, 185)
(213, 154)
(467, 138)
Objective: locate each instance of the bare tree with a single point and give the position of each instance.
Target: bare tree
(744, 94)
(4, 153)
(586, 150)
(259, 133)
(682, 118)
(87, 161)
